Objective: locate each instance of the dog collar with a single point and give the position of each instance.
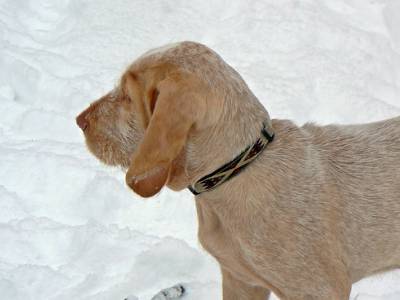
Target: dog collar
(236, 165)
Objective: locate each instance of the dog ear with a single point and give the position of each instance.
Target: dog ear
(168, 110)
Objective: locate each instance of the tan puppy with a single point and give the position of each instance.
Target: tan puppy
(318, 209)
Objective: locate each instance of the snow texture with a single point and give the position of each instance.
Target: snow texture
(69, 227)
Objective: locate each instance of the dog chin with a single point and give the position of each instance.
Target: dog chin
(104, 157)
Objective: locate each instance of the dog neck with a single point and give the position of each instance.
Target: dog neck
(232, 168)
(237, 124)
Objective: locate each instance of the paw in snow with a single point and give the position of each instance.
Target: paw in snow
(174, 292)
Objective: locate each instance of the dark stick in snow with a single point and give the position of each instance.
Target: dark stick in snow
(174, 292)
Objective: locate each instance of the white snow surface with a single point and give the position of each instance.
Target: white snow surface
(69, 227)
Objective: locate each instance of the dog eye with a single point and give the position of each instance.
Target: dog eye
(117, 96)
(126, 98)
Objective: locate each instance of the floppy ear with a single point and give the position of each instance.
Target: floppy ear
(169, 110)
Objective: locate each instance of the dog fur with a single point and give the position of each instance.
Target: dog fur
(318, 210)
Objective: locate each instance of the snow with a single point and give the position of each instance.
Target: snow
(69, 227)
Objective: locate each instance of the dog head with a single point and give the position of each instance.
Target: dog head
(166, 98)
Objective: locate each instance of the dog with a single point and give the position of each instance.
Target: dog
(303, 212)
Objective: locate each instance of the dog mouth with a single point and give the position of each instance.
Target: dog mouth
(84, 127)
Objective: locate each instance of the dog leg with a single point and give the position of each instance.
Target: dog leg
(313, 292)
(319, 297)
(233, 289)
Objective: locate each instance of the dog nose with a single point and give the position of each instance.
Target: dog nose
(82, 121)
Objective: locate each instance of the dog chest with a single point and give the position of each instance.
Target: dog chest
(219, 240)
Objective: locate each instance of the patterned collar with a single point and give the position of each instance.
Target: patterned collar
(233, 167)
